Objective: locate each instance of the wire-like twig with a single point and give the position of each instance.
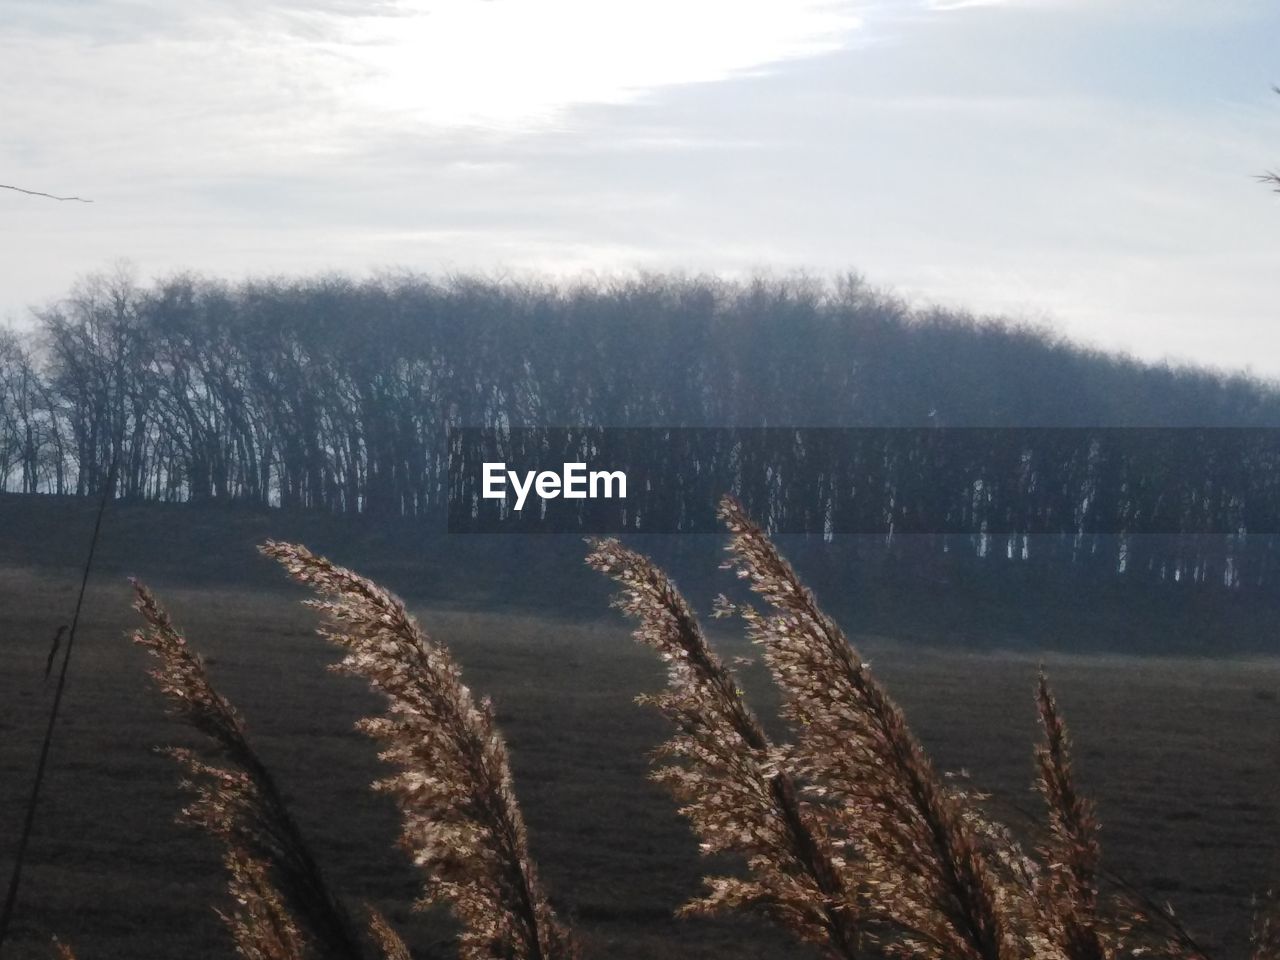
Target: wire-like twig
(15, 879)
(53, 650)
(41, 193)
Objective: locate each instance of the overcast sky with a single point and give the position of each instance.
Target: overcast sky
(1084, 163)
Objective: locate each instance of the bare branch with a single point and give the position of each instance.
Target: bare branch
(39, 193)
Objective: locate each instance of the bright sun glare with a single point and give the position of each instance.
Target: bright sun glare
(511, 65)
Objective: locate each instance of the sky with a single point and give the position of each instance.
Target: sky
(1088, 165)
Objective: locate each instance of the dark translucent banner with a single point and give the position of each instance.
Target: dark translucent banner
(891, 481)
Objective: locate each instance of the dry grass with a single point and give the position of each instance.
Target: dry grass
(851, 838)
(452, 781)
(284, 909)
(834, 823)
(1071, 850)
(732, 781)
(926, 881)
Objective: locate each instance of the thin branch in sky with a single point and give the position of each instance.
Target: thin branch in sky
(38, 193)
(1271, 177)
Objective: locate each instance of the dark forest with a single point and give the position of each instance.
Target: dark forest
(336, 395)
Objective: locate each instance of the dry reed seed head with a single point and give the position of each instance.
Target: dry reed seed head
(260, 924)
(734, 786)
(1072, 853)
(1137, 926)
(180, 674)
(271, 870)
(460, 821)
(385, 938)
(1073, 826)
(227, 800)
(230, 805)
(918, 850)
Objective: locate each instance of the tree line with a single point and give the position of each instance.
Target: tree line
(336, 394)
(1164, 503)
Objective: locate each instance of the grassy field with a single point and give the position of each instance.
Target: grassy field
(1181, 755)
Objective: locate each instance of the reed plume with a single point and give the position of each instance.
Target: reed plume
(285, 909)
(261, 925)
(851, 839)
(1081, 922)
(386, 937)
(732, 781)
(452, 781)
(1072, 852)
(924, 855)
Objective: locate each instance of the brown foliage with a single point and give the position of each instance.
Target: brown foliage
(452, 780)
(1072, 853)
(731, 780)
(902, 862)
(920, 860)
(283, 900)
(849, 837)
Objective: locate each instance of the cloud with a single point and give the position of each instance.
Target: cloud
(499, 64)
(1040, 158)
(947, 5)
(512, 65)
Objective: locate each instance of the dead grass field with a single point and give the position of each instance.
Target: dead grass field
(1182, 755)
